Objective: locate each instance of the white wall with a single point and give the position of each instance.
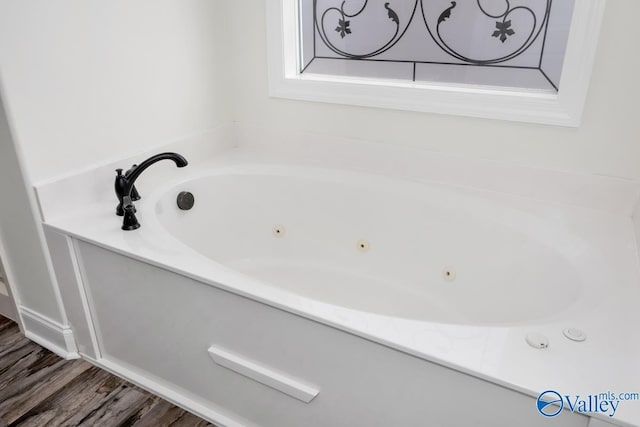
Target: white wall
(608, 143)
(89, 79)
(3, 278)
(21, 247)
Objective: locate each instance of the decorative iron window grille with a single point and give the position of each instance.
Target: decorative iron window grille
(504, 43)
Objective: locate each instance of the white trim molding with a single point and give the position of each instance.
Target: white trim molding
(49, 334)
(263, 375)
(562, 109)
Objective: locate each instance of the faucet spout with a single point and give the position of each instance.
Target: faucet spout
(137, 170)
(125, 184)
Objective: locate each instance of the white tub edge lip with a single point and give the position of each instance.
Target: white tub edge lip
(229, 141)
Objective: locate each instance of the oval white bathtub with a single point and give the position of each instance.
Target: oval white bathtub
(384, 246)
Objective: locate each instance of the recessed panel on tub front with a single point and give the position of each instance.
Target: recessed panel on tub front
(163, 325)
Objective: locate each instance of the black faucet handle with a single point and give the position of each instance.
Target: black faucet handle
(119, 187)
(127, 203)
(131, 169)
(130, 222)
(135, 196)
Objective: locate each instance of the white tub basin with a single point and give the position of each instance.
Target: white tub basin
(384, 246)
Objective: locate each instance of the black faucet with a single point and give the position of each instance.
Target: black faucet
(127, 192)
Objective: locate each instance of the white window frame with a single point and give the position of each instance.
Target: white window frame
(564, 108)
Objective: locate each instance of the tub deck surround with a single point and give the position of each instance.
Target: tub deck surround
(585, 222)
(615, 195)
(244, 144)
(86, 185)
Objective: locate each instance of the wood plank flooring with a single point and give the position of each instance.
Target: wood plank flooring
(38, 388)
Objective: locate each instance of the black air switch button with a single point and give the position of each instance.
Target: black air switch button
(185, 201)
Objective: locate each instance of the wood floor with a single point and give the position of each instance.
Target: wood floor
(38, 388)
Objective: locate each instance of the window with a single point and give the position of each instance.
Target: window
(526, 60)
(491, 43)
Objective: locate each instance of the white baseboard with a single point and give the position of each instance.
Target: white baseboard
(49, 334)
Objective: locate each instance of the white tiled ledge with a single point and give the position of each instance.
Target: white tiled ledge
(612, 195)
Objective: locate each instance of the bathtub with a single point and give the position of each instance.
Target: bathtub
(388, 247)
(325, 296)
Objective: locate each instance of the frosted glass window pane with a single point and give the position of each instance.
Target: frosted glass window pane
(505, 43)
